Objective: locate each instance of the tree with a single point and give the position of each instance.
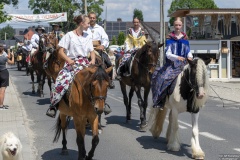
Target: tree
(72, 7)
(187, 4)
(121, 38)
(8, 30)
(3, 15)
(114, 41)
(138, 13)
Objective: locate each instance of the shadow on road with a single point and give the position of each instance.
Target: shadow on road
(55, 155)
(43, 101)
(148, 142)
(121, 120)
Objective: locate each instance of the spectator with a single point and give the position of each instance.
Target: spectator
(4, 74)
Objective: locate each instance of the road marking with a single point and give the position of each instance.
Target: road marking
(237, 149)
(211, 136)
(187, 124)
(180, 126)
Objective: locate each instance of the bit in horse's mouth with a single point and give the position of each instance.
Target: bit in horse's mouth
(13, 152)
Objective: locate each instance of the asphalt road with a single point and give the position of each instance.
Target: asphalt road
(219, 130)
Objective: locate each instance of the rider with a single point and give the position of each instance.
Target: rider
(163, 78)
(78, 44)
(35, 41)
(135, 40)
(100, 41)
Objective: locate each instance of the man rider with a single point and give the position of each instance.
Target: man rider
(35, 41)
(100, 43)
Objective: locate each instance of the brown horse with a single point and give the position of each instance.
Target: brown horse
(56, 63)
(37, 67)
(86, 100)
(143, 65)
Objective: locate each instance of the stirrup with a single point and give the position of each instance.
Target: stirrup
(51, 112)
(107, 109)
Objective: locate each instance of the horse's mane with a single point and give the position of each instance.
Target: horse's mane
(100, 74)
(202, 80)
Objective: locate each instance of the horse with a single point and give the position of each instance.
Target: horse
(22, 55)
(37, 67)
(56, 63)
(87, 96)
(189, 95)
(143, 65)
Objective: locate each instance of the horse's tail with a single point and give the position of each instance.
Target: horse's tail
(156, 120)
(58, 128)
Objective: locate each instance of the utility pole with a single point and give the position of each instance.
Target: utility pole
(162, 32)
(5, 36)
(85, 6)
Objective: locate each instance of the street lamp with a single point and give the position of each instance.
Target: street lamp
(162, 31)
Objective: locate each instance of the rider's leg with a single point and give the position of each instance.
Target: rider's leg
(30, 56)
(108, 63)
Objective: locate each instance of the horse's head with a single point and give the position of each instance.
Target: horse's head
(98, 86)
(197, 79)
(152, 54)
(51, 42)
(42, 43)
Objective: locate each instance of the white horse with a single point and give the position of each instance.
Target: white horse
(189, 95)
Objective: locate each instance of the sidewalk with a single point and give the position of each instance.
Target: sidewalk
(15, 120)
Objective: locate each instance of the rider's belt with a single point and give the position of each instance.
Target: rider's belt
(76, 58)
(96, 43)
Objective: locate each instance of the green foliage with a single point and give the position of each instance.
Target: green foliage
(9, 32)
(121, 38)
(114, 41)
(138, 13)
(190, 4)
(72, 7)
(3, 15)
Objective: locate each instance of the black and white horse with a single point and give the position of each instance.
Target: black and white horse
(189, 95)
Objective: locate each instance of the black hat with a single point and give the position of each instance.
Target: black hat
(56, 24)
(40, 27)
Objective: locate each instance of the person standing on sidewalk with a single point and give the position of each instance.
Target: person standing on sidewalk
(4, 74)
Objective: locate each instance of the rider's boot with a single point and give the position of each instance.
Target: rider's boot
(111, 85)
(52, 111)
(107, 109)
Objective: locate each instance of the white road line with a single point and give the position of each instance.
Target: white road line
(211, 136)
(180, 126)
(237, 149)
(187, 124)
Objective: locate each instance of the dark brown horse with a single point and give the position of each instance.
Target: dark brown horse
(143, 65)
(86, 100)
(37, 67)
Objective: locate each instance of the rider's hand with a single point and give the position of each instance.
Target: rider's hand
(70, 61)
(101, 47)
(92, 62)
(181, 58)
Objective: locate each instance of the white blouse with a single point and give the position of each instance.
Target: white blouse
(76, 45)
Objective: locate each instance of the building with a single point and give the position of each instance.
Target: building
(215, 33)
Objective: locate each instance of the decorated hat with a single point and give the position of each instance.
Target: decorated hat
(56, 24)
(40, 27)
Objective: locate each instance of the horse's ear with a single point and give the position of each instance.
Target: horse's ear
(109, 69)
(160, 45)
(207, 61)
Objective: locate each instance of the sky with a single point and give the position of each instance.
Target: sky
(119, 9)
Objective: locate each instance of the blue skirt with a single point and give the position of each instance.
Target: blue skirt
(164, 80)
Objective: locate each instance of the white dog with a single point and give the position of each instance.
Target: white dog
(10, 147)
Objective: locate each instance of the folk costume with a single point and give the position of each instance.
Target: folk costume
(133, 42)
(163, 78)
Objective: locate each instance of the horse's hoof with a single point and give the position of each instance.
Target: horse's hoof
(128, 121)
(198, 156)
(64, 152)
(143, 128)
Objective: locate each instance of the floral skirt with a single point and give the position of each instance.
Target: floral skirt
(65, 77)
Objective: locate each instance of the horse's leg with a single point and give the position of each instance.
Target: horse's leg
(140, 104)
(38, 81)
(41, 84)
(64, 140)
(173, 140)
(130, 95)
(125, 100)
(197, 152)
(49, 83)
(99, 124)
(95, 139)
(79, 124)
(32, 78)
(145, 104)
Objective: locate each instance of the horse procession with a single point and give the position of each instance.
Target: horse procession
(84, 93)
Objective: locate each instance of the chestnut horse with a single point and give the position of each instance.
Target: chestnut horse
(37, 66)
(56, 63)
(189, 95)
(143, 65)
(86, 100)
